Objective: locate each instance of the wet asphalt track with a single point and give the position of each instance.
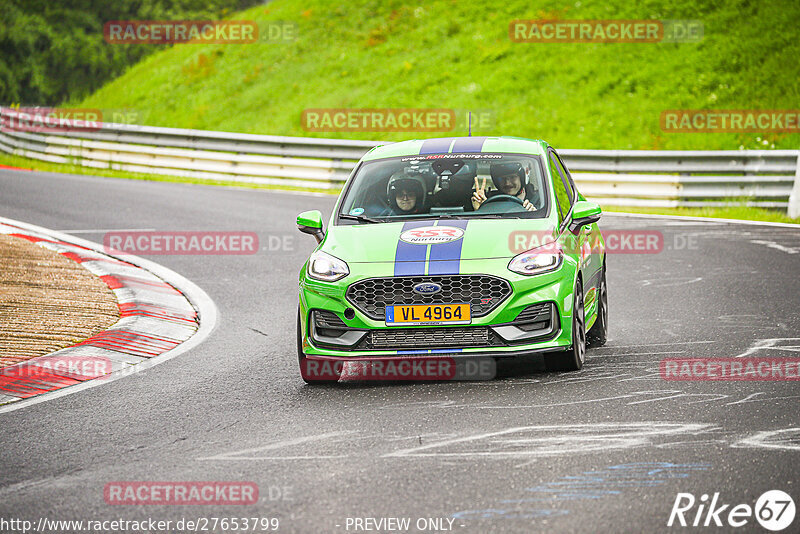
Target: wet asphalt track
(602, 450)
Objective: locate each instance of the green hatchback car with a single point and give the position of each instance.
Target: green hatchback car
(464, 247)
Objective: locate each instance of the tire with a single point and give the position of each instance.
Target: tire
(597, 334)
(572, 359)
(301, 359)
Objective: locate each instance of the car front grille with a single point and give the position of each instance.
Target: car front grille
(427, 338)
(482, 292)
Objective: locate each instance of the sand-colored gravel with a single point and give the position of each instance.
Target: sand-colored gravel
(47, 301)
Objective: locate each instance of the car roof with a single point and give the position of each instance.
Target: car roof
(458, 145)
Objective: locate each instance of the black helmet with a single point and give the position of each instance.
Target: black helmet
(498, 170)
(400, 181)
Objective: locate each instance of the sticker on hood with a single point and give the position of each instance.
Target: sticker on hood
(431, 235)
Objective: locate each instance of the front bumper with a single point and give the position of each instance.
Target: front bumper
(349, 334)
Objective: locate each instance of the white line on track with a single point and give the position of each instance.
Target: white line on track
(702, 219)
(553, 440)
(237, 455)
(555, 405)
(765, 399)
(671, 394)
(653, 344)
(590, 355)
(776, 246)
(787, 439)
(773, 344)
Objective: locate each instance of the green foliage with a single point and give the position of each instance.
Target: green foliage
(457, 54)
(453, 54)
(54, 51)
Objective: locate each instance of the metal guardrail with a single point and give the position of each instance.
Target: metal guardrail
(654, 178)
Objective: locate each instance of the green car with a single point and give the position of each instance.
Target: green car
(465, 247)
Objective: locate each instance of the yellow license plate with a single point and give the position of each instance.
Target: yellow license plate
(400, 314)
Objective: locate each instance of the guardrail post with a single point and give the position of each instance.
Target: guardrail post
(794, 198)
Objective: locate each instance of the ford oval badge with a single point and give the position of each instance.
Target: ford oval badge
(427, 288)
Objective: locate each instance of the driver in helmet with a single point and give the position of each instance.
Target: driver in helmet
(509, 179)
(406, 194)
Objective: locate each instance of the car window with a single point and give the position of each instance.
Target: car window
(571, 189)
(441, 185)
(556, 163)
(562, 197)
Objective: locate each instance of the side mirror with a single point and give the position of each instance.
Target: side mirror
(583, 213)
(310, 222)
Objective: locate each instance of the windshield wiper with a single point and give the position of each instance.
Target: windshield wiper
(360, 218)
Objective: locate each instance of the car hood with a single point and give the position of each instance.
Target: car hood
(443, 240)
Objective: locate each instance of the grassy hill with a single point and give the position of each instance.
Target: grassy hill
(457, 54)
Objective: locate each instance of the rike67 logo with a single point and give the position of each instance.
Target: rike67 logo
(774, 510)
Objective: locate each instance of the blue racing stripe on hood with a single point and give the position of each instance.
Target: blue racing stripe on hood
(436, 146)
(445, 258)
(468, 144)
(409, 259)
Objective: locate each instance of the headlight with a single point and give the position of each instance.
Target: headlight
(322, 266)
(537, 261)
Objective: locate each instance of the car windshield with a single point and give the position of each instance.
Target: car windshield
(447, 186)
